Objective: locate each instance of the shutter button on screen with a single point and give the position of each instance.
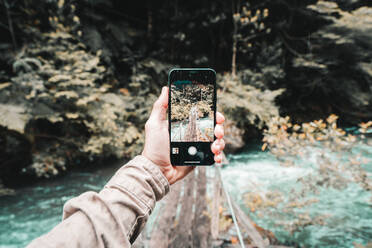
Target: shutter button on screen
(192, 150)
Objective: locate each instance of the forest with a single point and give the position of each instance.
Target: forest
(294, 81)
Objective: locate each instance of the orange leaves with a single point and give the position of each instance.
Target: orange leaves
(332, 118)
(263, 148)
(323, 144)
(296, 127)
(288, 141)
(351, 138)
(319, 124)
(365, 126)
(253, 201)
(220, 209)
(254, 19)
(281, 133)
(236, 17)
(337, 158)
(234, 240)
(124, 91)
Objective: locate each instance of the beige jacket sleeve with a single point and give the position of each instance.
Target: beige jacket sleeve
(115, 216)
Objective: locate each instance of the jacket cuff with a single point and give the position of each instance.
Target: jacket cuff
(142, 179)
(163, 186)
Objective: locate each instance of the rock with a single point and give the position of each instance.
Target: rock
(13, 117)
(14, 157)
(233, 137)
(247, 109)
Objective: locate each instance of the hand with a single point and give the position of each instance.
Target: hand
(157, 147)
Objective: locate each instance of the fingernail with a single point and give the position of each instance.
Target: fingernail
(218, 158)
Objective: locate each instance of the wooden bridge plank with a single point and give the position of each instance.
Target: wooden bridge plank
(193, 228)
(201, 225)
(165, 224)
(183, 230)
(249, 227)
(216, 206)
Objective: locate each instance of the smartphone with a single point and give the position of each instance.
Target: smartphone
(192, 115)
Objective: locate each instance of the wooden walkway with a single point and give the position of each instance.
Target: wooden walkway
(188, 217)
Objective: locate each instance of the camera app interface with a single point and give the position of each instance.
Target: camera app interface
(192, 113)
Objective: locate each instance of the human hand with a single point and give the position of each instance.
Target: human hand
(157, 147)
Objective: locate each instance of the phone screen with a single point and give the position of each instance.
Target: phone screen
(192, 110)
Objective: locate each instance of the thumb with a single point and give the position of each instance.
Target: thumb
(159, 109)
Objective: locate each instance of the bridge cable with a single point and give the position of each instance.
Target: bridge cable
(230, 206)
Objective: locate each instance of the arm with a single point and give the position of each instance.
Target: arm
(116, 215)
(113, 217)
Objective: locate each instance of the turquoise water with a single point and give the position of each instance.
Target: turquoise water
(347, 212)
(34, 210)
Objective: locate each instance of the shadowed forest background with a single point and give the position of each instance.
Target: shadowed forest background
(78, 80)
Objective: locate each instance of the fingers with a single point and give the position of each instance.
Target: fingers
(219, 118)
(159, 109)
(218, 158)
(221, 143)
(218, 146)
(182, 171)
(215, 148)
(218, 131)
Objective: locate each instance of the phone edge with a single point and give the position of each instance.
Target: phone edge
(169, 106)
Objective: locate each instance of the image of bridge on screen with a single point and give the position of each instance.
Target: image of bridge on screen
(192, 111)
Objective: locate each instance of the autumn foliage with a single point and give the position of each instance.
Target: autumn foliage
(335, 158)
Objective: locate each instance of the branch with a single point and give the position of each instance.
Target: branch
(10, 23)
(4, 26)
(294, 52)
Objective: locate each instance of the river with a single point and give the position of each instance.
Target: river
(34, 210)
